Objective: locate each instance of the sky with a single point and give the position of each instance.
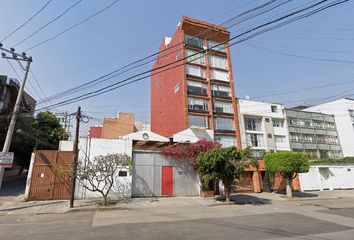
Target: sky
(304, 63)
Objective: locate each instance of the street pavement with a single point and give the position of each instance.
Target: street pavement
(321, 215)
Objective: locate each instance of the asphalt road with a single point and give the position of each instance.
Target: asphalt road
(292, 221)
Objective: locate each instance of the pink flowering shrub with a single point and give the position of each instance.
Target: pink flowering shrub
(189, 152)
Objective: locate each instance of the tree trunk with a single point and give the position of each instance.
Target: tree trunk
(289, 191)
(105, 197)
(227, 190)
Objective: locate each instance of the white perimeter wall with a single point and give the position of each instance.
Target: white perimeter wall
(88, 149)
(327, 177)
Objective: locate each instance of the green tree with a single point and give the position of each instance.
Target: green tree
(47, 131)
(20, 145)
(288, 164)
(223, 164)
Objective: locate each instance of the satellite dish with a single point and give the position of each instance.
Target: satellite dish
(247, 97)
(145, 136)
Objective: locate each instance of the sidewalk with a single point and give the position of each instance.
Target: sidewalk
(17, 205)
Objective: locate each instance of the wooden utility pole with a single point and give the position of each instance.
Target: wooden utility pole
(76, 152)
(17, 57)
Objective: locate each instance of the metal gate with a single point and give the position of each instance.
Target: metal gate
(147, 176)
(50, 179)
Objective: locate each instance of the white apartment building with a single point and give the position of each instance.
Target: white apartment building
(263, 126)
(343, 111)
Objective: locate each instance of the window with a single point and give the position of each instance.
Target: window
(295, 137)
(196, 88)
(220, 91)
(279, 139)
(217, 61)
(198, 121)
(224, 124)
(122, 173)
(254, 140)
(219, 75)
(215, 46)
(253, 124)
(309, 138)
(197, 104)
(257, 153)
(222, 107)
(274, 108)
(195, 57)
(267, 120)
(193, 41)
(270, 135)
(351, 113)
(278, 123)
(226, 141)
(195, 71)
(311, 153)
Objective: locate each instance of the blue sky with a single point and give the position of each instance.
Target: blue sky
(264, 67)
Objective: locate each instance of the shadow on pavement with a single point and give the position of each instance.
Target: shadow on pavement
(243, 199)
(13, 186)
(30, 206)
(299, 194)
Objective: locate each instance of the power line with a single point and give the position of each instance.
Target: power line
(73, 26)
(47, 24)
(26, 22)
(101, 79)
(114, 86)
(301, 56)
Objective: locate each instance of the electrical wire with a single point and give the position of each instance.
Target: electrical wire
(73, 26)
(113, 86)
(47, 24)
(26, 22)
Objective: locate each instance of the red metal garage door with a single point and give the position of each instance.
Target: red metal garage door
(167, 181)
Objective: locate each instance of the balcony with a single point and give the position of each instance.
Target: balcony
(197, 91)
(221, 94)
(192, 41)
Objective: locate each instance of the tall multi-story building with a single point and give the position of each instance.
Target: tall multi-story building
(196, 89)
(314, 134)
(263, 126)
(343, 112)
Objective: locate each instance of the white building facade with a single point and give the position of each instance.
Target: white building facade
(343, 111)
(263, 126)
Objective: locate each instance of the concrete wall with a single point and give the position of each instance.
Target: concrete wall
(90, 148)
(147, 175)
(327, 177)
(339, 109)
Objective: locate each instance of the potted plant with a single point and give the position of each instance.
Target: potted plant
(205, 189)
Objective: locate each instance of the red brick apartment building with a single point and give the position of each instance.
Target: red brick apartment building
(197, 91)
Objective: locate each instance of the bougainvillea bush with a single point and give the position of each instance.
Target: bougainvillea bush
(189, 152)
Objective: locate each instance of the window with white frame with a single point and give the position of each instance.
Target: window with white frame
(254, 140)
(193, 41)
(217, 61)
(197, 88)
(253, 124)
(278, 123)
(197, 104)
(219, 75)
(351, 113)
(198, 121)
(224, 124)
(226, 141)
(215, 46)
(220, 91)
(195, 57)
(274, 108)
(195, 71)
(279, 139)
(223, 107)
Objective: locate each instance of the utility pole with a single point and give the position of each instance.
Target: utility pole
(65, 122)
(76, 152)
(10, 130)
